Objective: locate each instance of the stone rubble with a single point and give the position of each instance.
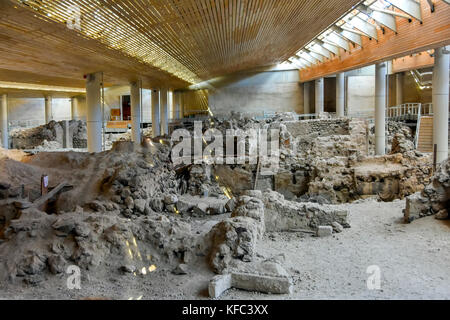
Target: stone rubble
(51, 136)
(434, 199)
(130, 210)
(267, 277)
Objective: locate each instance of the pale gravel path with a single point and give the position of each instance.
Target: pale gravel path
(414, 258)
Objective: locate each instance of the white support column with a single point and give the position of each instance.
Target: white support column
(306, 98)
(399, 88)
(73, 108)
(177, 101)
(94, 111)
(156, 129)
(48, 109)
(340, 94)
(164, 107)
(135, 96)
(4, 122)
(440, 102)
(171, 103)
(380, 108)
(319, 96)
(182, 105)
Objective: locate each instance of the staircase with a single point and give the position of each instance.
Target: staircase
(425, 142)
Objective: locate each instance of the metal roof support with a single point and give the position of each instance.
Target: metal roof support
(392, 13)
(298, 63)
(410, 7)
(290, 61)
(308, 57)
(307, 63)
(351, 35)
(366, 27)
(315, 55)
(317, 48)
(330, 47)
(337, 40)
(381, 18)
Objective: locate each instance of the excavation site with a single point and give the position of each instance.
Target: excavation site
(217, 151)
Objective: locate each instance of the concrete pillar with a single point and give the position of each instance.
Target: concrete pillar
(177, 105)
(67, 141)
(156, 129)
(48, 109)
(182, 102)
(440, 102)
(398, 89)
(306, 98)
(340, 94)
(164, 108)
(380, 108)
(170, 100)
(94, 111)
(73, 108)
(135, 97)
(319, 96)
(4, 122)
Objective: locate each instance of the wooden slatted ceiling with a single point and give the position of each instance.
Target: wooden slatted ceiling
(195, 101)
(194, 40)
(36, 50)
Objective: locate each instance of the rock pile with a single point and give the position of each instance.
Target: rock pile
(434, 199)
(235, 237)
(51, 136)
(283, 215)
(49, 244)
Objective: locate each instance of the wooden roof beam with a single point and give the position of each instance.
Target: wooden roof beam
(411, 38)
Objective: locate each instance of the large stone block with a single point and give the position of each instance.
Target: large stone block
(267, 277)
(291, 184)
(284, 215)
(416, 207)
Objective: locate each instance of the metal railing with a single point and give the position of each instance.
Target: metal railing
(411, 111)
(303, 116)
(403, 110)
(419, 118)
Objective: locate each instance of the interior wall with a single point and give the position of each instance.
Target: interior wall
(80, 111)
(25, 112)
(411, 91)
(257, 92)
(361, 96)
(195, 102)
(61, 109)
(112, 101)
(30, 112)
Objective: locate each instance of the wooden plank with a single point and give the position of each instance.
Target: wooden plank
(417, 61)
(42, 200)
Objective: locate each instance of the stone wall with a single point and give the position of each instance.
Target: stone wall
(51, 132)
(321, 127)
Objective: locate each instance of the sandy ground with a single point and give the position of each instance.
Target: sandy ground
(414, 260)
